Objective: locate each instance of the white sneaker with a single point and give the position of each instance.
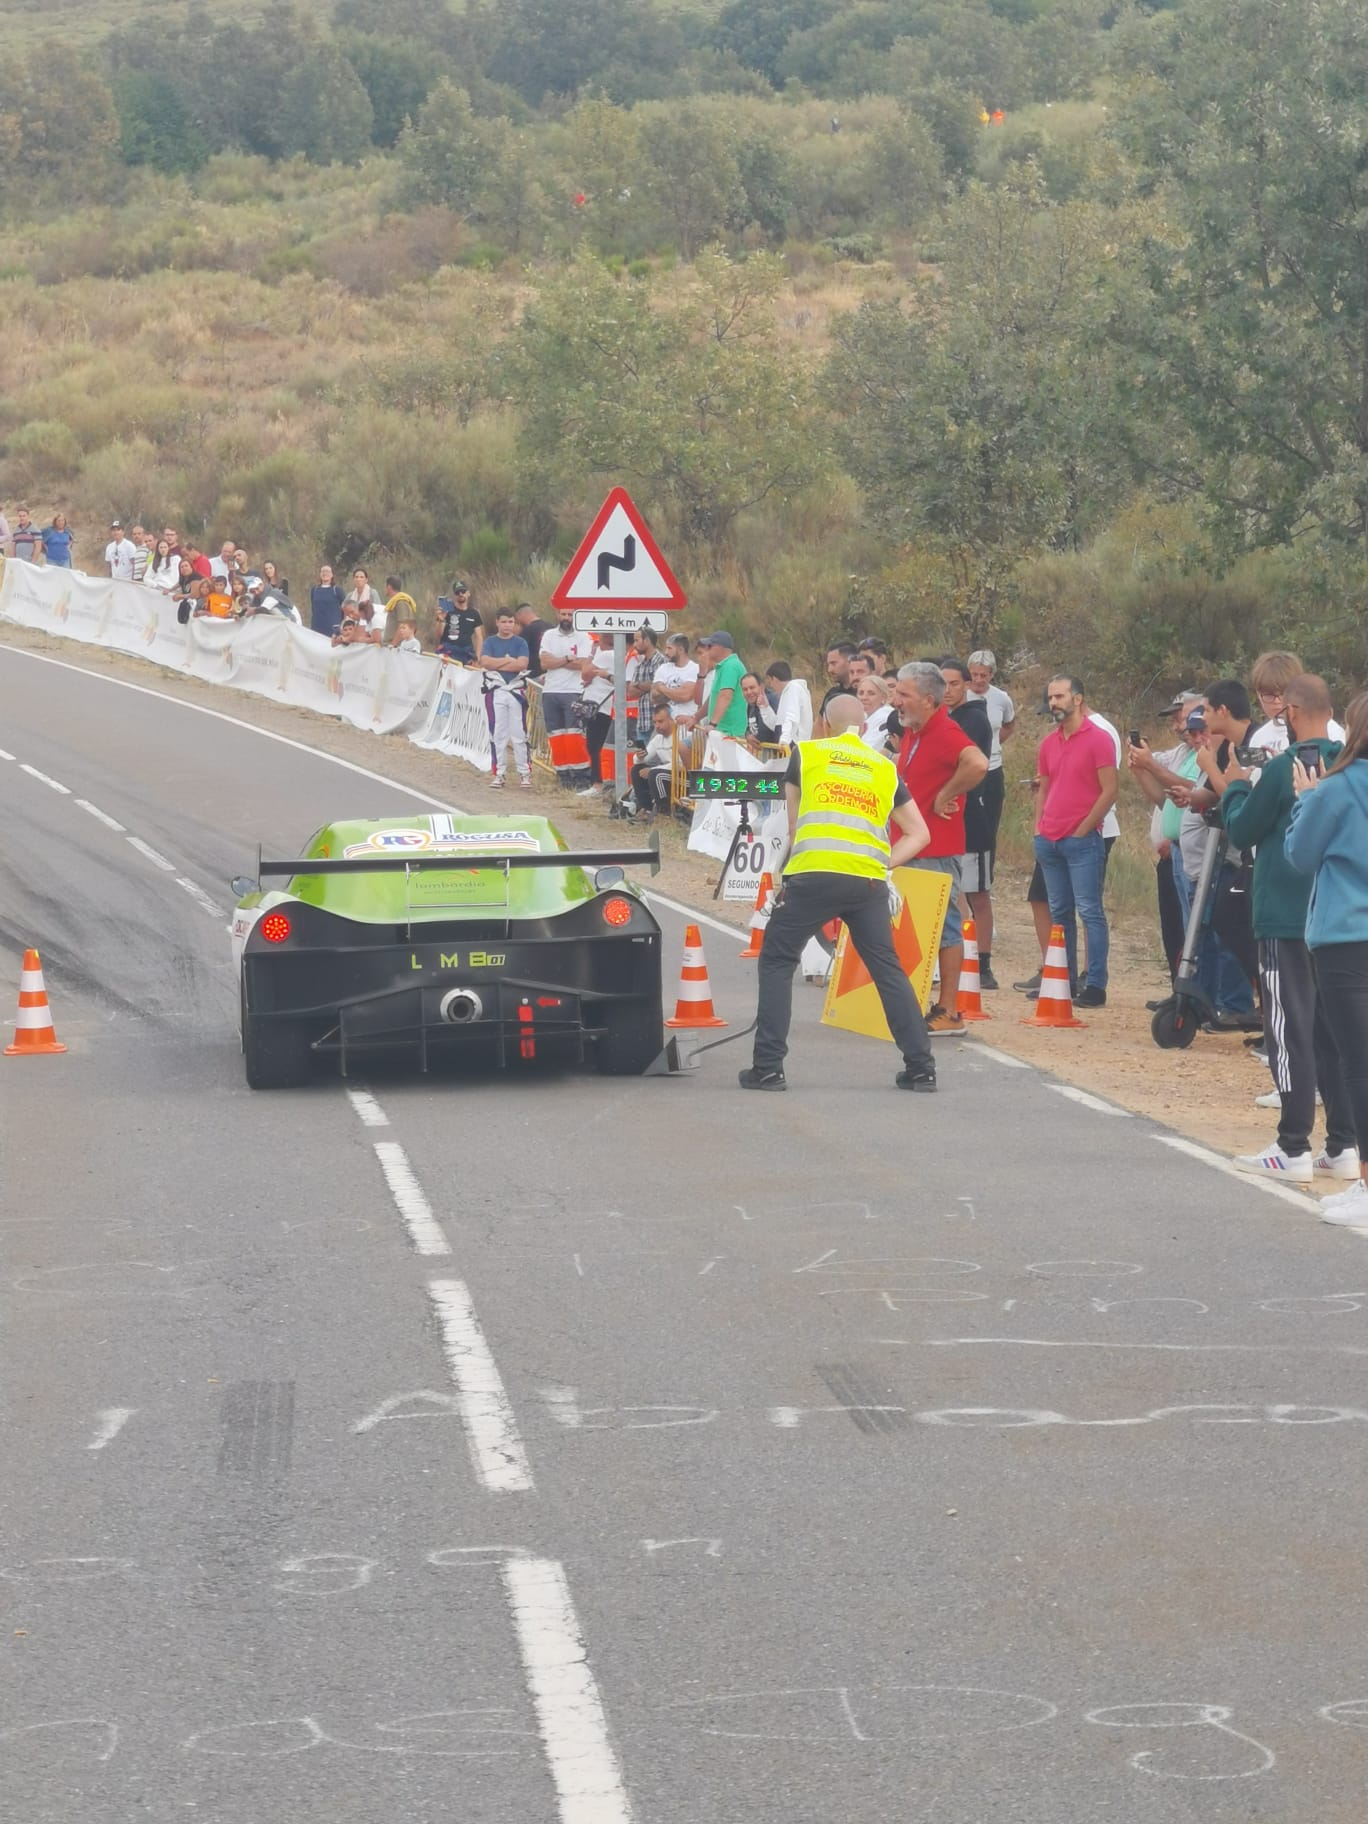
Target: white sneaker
(1272, 1099)
(1275, 1163)
(590, 791)
(1349, 1209)
(525, 781)
(1338, 1165)
(498, 779)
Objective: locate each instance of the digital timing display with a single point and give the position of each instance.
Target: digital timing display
(735, 785)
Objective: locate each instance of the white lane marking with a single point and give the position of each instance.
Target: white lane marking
(200, 709)
(1000, 1057)
(112, 1421)
(155, 856)
(100, 816)
(4, 755)
(570, 1716)
(201, 898)
(1094, 1102)
(369, 1110)
(424, 1229)
(44, 778)
(496, 1450)
(1302, 1201)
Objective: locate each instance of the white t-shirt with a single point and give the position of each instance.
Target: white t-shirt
(1001, 713)
(673, 675)
(794, 713)
(219, 566)
(1273, 737)
(1111, 823)
(120, 555)
(599, 690)
(411, 644)
(577, 646)
(875, 731)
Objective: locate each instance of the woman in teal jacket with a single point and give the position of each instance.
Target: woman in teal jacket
(1328, 838)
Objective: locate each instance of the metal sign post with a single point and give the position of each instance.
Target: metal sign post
(619, 717)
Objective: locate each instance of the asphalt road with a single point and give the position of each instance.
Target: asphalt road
(835, 1456)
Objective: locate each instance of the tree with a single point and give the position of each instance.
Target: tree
(978, 417)
(1248, 119)
(696, 405)
(756, 31)
(556, 47)
(59, 130)
(446, 155)
(693, 173)
(398, 77)
(329, 112)
(155, 125)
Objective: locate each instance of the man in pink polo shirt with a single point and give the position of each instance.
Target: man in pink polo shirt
(1076, 782)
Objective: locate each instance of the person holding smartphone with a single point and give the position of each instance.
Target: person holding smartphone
(1302, 1055)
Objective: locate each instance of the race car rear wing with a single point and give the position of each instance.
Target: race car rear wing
(420, 859)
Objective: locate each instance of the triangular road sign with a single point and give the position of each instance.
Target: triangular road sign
(618, 564)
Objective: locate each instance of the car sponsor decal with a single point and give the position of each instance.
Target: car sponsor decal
(452, 842)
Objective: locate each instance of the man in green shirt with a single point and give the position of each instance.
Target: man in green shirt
(726, 711)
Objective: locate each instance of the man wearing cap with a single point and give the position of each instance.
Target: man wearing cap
(726, 706)
(120, 553)
(459, 629)
(841, 797)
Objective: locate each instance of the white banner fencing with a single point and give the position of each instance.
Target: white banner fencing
(436, 705)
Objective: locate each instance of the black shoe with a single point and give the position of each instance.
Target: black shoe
(1090, 997)
(1154, 1006)
(761, 1079)
(920, 1079)
(1030, 989)
(986, 977)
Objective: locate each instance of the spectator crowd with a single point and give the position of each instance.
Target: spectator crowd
(1259, 824)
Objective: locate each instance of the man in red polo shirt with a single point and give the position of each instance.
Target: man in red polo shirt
(1076, 782)
(938, 763)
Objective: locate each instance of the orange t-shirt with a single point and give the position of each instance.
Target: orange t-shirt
(220, 606)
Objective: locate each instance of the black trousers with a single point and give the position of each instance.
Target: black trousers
(1302, 1053)
(807, 902)
(1232, 918)
(651, 785)
(1342, 984)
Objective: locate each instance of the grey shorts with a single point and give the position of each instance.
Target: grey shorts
(952, 932)
(977, 876)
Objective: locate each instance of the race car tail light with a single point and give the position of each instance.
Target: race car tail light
(527, 1044)
(617, 911)
(275, 927)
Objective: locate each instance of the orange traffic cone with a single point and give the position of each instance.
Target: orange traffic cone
(970, 994)
(1054, 1006)
(33, 1029)
(694, 1006)
(759, 919)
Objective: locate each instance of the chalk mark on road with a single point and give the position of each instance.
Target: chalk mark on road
(112, 1421)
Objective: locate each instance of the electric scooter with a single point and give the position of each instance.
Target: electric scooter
(1177, 1019)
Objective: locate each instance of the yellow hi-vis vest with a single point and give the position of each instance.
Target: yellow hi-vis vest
(844, 806)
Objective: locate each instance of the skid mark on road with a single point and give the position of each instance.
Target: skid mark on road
(256, 1430)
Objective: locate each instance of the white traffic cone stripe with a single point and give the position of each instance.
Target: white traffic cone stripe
(33, 1019)
(31, 982)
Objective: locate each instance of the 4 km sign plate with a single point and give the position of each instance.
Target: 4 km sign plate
(619, 620)
(619, 565)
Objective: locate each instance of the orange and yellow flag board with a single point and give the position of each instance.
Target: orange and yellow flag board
(852, 1000)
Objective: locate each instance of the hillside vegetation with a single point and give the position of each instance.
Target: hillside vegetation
(1036, 323)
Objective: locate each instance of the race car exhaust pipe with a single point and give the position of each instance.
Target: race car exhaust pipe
(461, 1007)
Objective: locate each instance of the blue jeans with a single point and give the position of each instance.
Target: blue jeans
(1219, 976)
(1072, 869)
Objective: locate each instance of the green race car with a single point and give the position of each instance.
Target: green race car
(415, 937)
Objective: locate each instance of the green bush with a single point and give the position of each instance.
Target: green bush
(486, 548)
(41, 453)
